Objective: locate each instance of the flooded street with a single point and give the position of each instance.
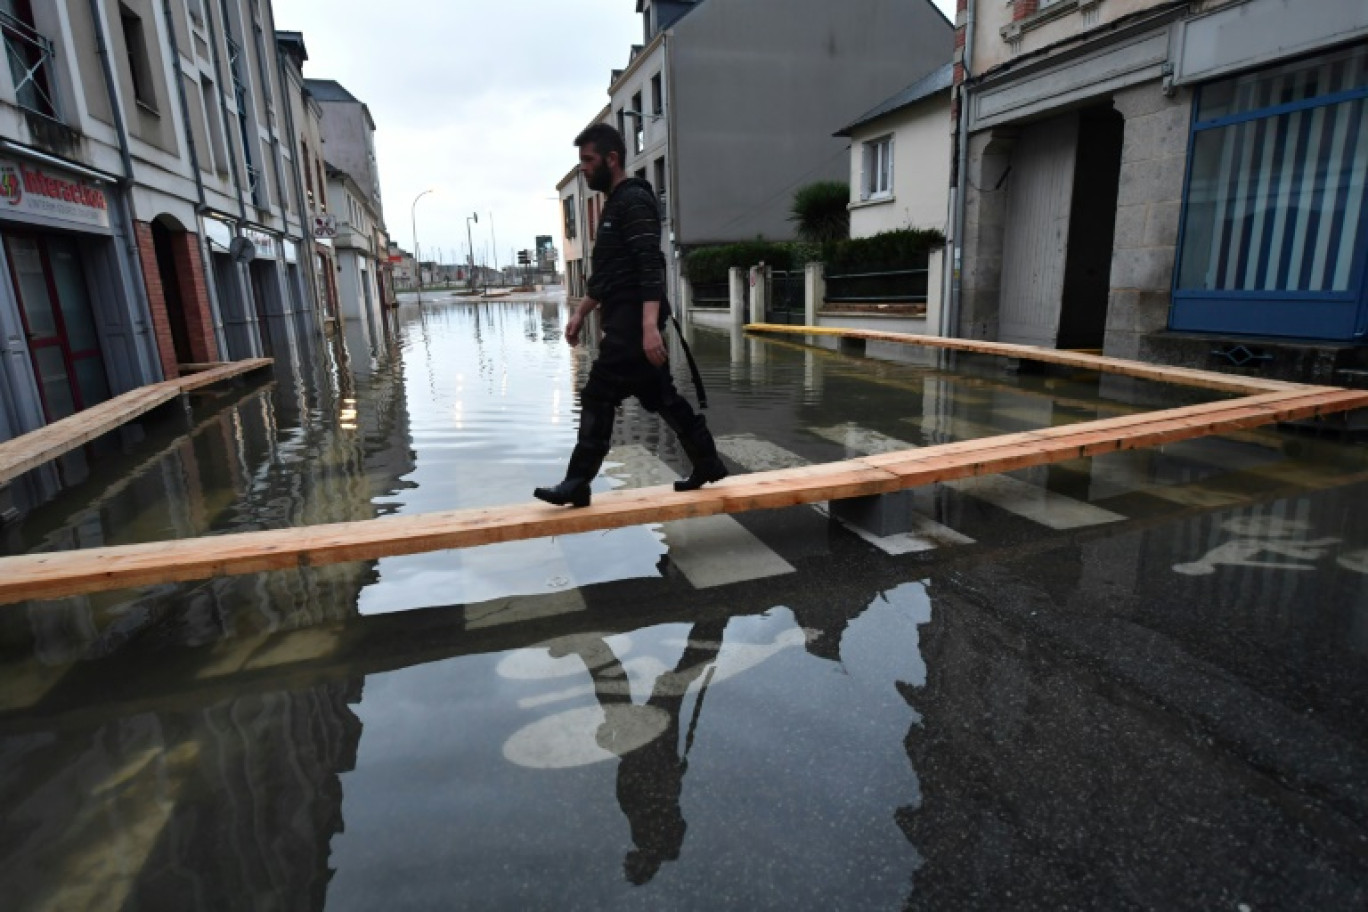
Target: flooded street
(1139, 680)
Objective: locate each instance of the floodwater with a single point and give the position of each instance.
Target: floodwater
(1134, 681)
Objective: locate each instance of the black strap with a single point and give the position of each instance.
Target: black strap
(693, 366)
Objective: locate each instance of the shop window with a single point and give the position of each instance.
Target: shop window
(1272, 239)
(59, 324)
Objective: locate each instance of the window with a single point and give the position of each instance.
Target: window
(622, 124)
(878, 169)
(568, 205)
(660, 183)
(135, 45)
(218, 159)
(1273, 210)
(30, 56)
(639, 134)
(657, 96)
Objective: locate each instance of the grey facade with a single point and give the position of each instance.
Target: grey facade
(729, 106)
(1110, 199)
(757, 89)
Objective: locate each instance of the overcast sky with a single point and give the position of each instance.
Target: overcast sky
(475, 99)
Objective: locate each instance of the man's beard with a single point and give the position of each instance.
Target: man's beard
(601, 178)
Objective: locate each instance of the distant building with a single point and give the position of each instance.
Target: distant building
(349, 147)
(900, 173)
(726, 133)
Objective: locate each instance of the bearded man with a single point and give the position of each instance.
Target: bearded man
(628, 287)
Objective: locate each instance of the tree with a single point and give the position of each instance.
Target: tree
(821, 212)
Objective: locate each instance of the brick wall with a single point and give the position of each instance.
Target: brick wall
(194, 294)
(156, 300)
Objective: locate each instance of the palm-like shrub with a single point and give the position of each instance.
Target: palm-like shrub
(821, 212)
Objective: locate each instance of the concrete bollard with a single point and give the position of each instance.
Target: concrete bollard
(814, 291)
(736, 280)
(759, 289)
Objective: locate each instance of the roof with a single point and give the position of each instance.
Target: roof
(330, 90)
(933, 83)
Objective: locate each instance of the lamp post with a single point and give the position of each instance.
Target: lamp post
(470, 250)
(417, 260)
(494, 248)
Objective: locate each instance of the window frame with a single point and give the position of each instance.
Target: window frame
(877, 164)
(1279, 312)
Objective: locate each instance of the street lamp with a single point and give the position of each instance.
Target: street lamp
(470, 250)
(417, 260)
(494, 248)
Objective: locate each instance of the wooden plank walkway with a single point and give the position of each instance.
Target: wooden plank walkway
(68, 573)
(31, 450)
(1183, 376)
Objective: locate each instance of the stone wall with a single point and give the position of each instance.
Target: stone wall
(1148, 209)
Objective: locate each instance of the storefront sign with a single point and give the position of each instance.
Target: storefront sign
(265, 243)
(38, 192)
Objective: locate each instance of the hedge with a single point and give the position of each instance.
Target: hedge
(710, 264)
(889, 249)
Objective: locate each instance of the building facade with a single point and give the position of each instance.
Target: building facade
(1180, 182)
(150, 222)
(306, 116)
(726, 132)
(348, 135)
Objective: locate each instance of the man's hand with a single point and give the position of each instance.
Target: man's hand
(576, 321)
(653, 345)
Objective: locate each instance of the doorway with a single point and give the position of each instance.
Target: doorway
(171, 291)
(59, 323)
(1092, 228)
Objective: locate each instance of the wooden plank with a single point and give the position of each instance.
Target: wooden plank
(219, 374)
(28, 451)
(69, 573)
(1139, 369)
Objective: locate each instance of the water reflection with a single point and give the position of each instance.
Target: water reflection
(1069, 714)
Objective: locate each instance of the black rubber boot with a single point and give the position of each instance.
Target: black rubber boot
(698, 444)
(595, 435)
(579, 475)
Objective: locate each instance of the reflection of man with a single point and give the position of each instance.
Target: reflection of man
(650, 777)
(628, 285)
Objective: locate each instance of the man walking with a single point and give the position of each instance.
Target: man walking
(628, 285)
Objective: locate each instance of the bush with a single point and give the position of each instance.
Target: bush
(710, 264)
(904, 248)
(822, 211)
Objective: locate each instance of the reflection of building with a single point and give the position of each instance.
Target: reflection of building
(153, 217)
(160, 789)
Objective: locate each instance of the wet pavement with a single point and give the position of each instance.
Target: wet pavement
(1137, 681)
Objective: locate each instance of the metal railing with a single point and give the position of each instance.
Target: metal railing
(877, 286)
(31, 62)
(786, 301)
(712, 294)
